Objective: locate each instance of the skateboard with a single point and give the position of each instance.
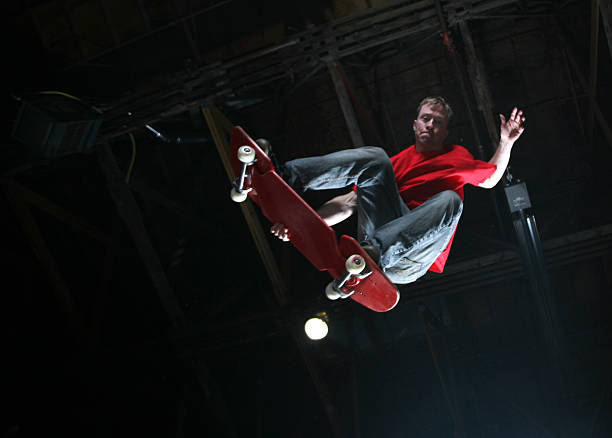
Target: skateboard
(355, 275)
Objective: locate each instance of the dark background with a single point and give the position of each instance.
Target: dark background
(144, 309)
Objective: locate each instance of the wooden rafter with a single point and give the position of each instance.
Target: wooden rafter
(130, 213)
(53, 209)
(44, 255)
(220, 128)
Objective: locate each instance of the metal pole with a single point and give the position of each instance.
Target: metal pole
(518, 198)
(529, 243)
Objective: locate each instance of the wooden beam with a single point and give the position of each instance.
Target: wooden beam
(110, 23)
(193, 45)
(603, 121)
(144, 14)
(150, 194)
(482, 95)
(354, 379)
(345, 104)
(129, 211)
(479, 84)
(320, 386)
(63, 4)
(104, 281)
(594, 61)
(218, 128)
(605, 7)
(60, 213)
(45, 257)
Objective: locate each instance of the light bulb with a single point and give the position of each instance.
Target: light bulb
(316, 328)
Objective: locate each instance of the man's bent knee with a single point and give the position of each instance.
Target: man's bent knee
(374, 155)
(449, 204)
(451, 199)
(376, 163)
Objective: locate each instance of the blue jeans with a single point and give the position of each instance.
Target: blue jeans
(409, 241)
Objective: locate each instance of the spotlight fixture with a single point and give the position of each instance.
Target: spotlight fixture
(316, 328)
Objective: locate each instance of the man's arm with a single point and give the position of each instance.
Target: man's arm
(510, 130)
(339, 208)
(333, 212)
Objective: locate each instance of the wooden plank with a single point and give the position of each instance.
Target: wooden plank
(150, 194)
(65, 8)
(130, 213)
(479, 84)
(295, 57)
(605, 7)
(345, 104)
(603, 122)
(218, 128)
(593, 59)
(45, 257)
(110, 23)
(145, 15)
(227, 126)
(216, 121)
(60, 213)
(193, 45)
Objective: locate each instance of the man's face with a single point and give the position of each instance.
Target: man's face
(431, 127)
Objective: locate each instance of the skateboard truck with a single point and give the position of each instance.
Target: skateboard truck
(355, 265)
(246, 155)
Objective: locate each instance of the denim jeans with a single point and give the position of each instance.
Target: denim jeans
(409, 240)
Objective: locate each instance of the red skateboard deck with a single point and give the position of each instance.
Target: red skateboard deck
(309, 233)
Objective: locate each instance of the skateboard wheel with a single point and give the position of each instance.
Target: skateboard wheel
(355, 264)
(238, 196)
(331, 292)
(246, 154)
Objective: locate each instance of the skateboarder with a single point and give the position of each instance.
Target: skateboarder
(408, 206)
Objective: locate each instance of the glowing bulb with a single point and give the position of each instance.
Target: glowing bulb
(316, 329)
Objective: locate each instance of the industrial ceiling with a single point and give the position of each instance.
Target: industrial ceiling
(140, 300)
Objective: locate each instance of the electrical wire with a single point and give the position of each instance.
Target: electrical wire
(128, 174)
(70, 96)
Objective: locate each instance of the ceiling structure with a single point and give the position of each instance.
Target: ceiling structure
(141, 300)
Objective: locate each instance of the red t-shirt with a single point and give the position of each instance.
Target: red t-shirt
(421, 175)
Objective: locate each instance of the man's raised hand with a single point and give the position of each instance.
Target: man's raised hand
(510, 130)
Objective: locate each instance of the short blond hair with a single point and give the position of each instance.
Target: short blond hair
(436, 100)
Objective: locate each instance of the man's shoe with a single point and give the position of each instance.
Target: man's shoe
(279, 167)
(266, 146)
(372, 251)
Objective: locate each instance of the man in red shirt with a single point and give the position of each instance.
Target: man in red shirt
(408, 205)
